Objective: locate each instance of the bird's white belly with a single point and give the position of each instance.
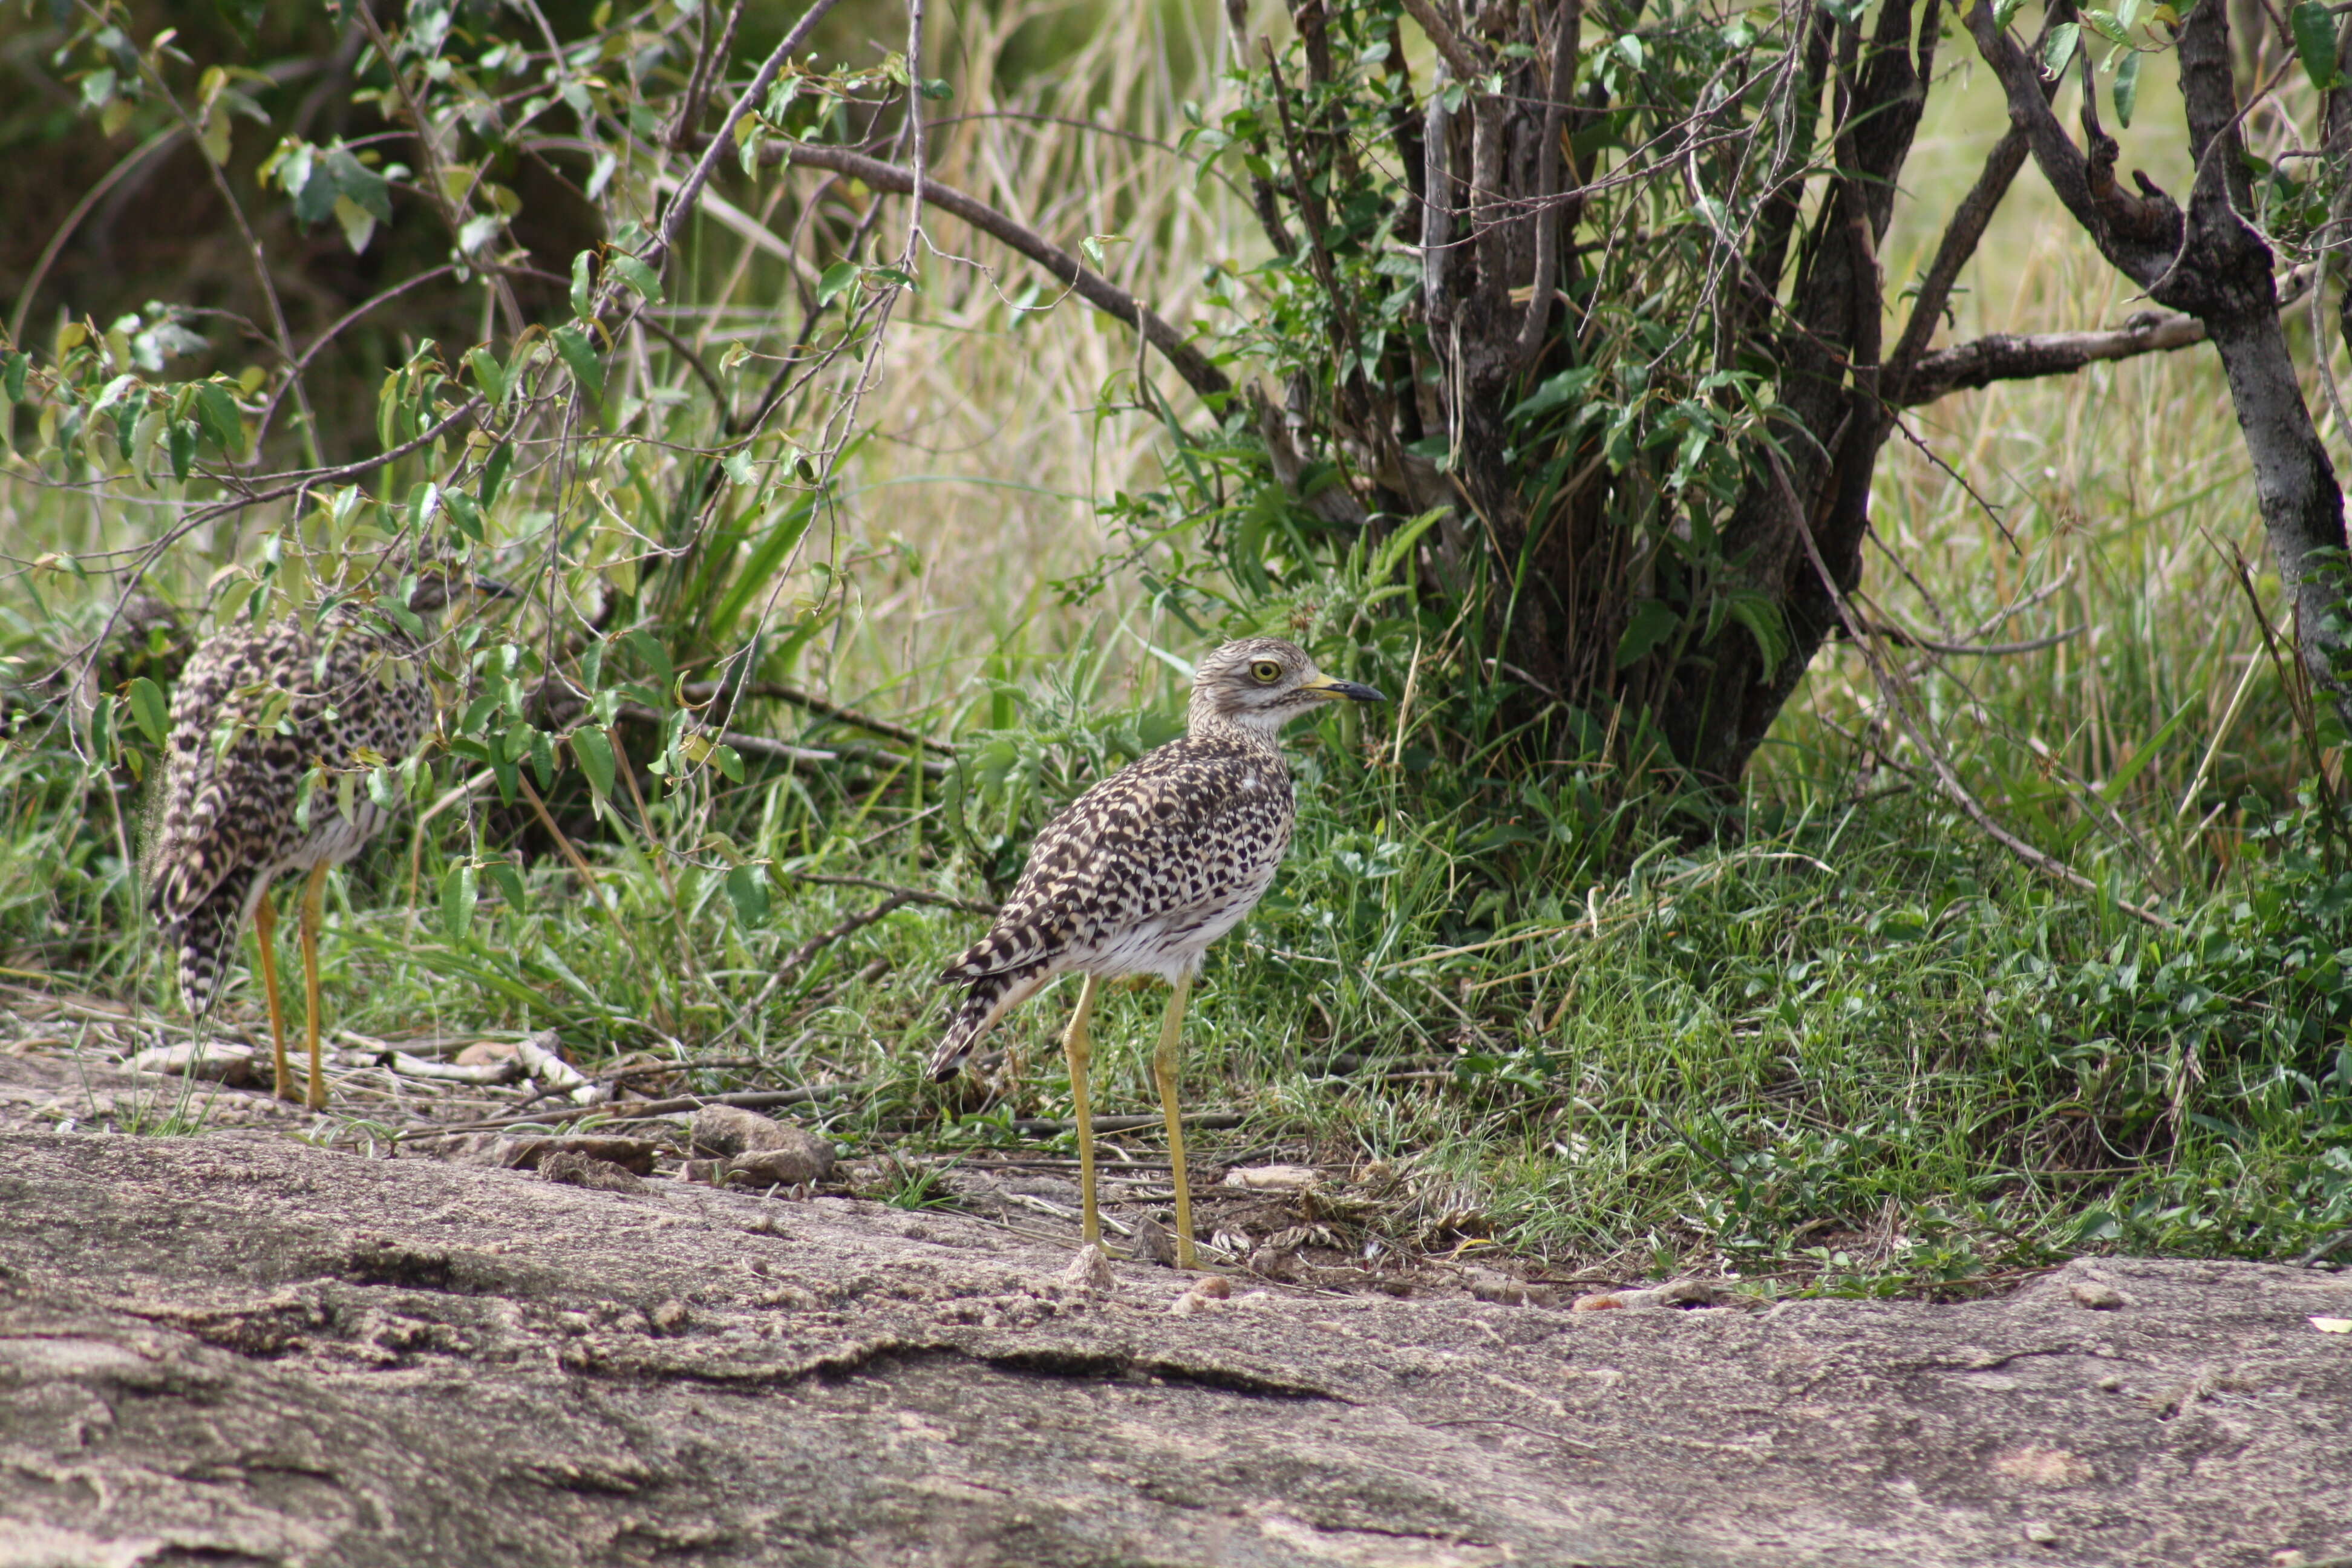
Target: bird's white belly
(1168, 945)
(334, 839)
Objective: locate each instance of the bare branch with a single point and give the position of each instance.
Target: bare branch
(784, 692)
(690, 189)
(1466, 66)
(1098, 290)
(2011, 356)
(1957, 792)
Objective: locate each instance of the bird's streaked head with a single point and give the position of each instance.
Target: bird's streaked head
(1260, 684)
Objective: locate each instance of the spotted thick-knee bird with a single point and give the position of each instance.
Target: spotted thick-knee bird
(256, 711)
(1147, 868)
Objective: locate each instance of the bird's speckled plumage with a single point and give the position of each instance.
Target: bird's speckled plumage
(255, 709)
(1144, 870)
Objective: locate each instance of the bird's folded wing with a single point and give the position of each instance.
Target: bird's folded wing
(1175, 834)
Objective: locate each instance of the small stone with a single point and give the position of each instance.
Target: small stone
(1600, 1301)
(1271, 1178)
(1089, 1272)
(573, 1168)
(1486, 1285)
(802, 1159)
(2288, 1557)
(2093, 1294)
(711, 1171)
(634, 1155)
(671, 1318)
(724, 1130)
(2039, 1533)
(232, 1065)
(1209, 1293)
(2052, 1467)
(574, 1323)
(1154, 1242)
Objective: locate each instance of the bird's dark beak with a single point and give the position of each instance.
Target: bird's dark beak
(490, 587)
(1331, 690)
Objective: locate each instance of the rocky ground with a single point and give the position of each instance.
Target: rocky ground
(239, 1347)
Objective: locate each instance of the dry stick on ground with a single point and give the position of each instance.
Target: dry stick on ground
(1893, 694)
(642, 1111)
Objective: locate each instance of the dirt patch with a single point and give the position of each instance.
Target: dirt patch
(245, 1349)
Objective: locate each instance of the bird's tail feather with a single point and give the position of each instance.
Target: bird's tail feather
(988, 998)
(206, 936)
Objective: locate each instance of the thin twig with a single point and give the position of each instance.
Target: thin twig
(700, 692)
(1950, 781)
(913, 895)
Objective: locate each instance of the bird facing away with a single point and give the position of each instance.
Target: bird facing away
(1144, 870)
(256, 709)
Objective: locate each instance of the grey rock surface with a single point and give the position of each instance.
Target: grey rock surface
(244, 1349)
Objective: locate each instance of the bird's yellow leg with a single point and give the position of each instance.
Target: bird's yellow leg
(313, 894)
(1163, 1069)
(1079, 1049)
(265, 926)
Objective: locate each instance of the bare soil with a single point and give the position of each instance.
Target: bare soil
(238, 1348)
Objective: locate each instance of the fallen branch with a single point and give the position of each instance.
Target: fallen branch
(482, 1076)
(643, 1110)
(544, 1064)
(1045, 1127)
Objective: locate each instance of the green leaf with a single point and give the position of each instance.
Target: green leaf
(244, 16)
(2107, 25)
(587, 368)
(2314, 41)
(459, 898)
(102, 728)
(494, 472)
(542, 758)
(580, 265)
(147, 707)
(360, 186)
(179, 440)
(1561, 388)
(648, 647)
(2134, 765)
(508, 877)
(638, 275)
(835, 280)
(1762, 619)
(728, 760)
(487, 375)
(753, 579)
(748, 887)
(2126, 89)
(222, 420)
(1651, 623)
(594, 749)
(2061, 47)
(12, 375)
(464, 513)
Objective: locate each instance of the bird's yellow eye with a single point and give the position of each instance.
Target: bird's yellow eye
(1266, 671)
